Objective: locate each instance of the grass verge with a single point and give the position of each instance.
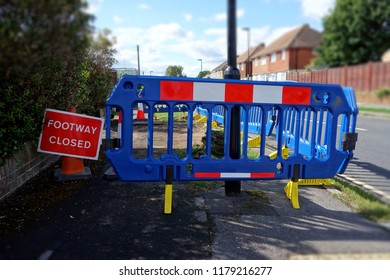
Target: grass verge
(178, 116)
(372, 110)
(362, 202)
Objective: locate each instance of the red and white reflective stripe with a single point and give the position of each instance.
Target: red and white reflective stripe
(237, 93)
(233, 175)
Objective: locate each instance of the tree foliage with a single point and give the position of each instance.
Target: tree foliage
(97, 74)
(357, 31)
(48, 59)
(174, 71)
(203, 73)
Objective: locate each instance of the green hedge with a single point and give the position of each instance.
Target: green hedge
(46, 62)
(382, 92)
(23, 103)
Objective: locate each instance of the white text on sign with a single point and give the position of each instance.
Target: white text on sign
(71, 134)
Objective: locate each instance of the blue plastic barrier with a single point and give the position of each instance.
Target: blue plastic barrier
(254, 116)
(315, 121)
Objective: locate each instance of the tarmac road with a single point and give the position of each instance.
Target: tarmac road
(99, 219)
(369, 168)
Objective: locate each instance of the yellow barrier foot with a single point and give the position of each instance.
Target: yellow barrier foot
(202, 120)
(214, 125)
(168, 190)
(315, 182)
(197, 117)
(254, 142)
(284, 153)
(168, 199)
(291, 190)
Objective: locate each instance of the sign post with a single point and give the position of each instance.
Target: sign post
(71, 134)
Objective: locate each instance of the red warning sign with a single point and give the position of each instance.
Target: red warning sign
(71, 134)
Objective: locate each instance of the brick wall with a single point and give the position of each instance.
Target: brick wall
(300, 58)
(245, 69)
(23, 166)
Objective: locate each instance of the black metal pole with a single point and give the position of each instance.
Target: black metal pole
(233, 188)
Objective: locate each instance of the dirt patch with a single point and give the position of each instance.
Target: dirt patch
(160, 135)
(160, 138)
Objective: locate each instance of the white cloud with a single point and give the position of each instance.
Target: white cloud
(161, 33)
(215, 31)
(217, 40)
(94, 6)
(160, 46)
(117, 19)
(257, 36)
(143, 7)
(167, 44)
(207, 51)
(187, 17)
(317, 9)
(240, 13)
(276, 33)
(223, 16)
(220, 17)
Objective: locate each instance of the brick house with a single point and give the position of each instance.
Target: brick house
(290, 52)
(243, 64)
(244, 61)
(217, 73)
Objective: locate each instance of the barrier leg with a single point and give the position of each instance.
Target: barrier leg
(291, 189)
(168, 190)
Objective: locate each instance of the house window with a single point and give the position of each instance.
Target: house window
(264, 60)
(256, 62)
(273, 57)
(242, 66)
(283, 54)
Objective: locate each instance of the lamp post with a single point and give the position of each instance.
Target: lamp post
(139, 66)
(201, 66)
(247, 29)
(233, 188)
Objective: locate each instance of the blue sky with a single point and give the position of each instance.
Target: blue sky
(179, 32)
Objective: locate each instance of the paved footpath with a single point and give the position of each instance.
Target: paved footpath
(323, 227)
(99, 219)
